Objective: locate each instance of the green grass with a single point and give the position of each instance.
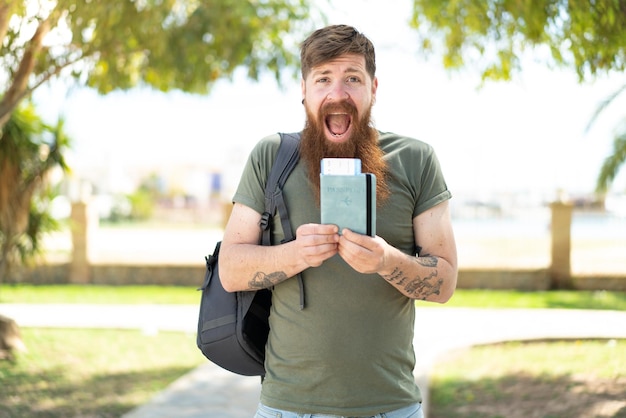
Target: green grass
(543, 379)
(23, 293)
(571, 299)
(103, 373)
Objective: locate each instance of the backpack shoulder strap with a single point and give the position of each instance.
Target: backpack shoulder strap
(286, 159)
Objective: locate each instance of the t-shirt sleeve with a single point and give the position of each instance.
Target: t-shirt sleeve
(433, 187)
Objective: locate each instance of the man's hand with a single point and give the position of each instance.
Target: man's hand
(363, 253)
(316, 243)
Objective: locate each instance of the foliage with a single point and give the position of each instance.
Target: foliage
(29, 151)
(589, 37)
(142, 205)
(118, 44)
(145, 198)
(612, 164)
(586, 36)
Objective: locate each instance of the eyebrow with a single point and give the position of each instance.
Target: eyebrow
(349, 70)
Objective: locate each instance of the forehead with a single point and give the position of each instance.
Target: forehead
(348, 63)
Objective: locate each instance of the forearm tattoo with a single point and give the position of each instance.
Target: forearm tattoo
(265, 281)
(418, 287)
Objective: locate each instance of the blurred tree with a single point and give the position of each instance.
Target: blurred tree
(614, 162)
(586, 36)
(118, 44)
(29, 150)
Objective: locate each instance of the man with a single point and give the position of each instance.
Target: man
(349, 351)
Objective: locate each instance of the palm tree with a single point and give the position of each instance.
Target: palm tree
(29, 150)
(613, 163)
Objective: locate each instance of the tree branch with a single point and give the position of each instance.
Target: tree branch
(19, 88)
(5, 15)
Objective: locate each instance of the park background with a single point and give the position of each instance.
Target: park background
(508, 149)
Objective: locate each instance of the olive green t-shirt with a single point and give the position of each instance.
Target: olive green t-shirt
(350, 350)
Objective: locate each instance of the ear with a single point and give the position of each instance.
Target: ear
(303, 88)
(374, 88)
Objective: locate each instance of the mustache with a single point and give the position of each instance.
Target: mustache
(341, 106)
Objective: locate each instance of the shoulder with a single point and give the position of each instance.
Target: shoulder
(251, 189)
(404, 148)
(266, 148)
(392, 142)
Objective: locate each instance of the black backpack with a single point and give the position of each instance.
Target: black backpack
(233, 327)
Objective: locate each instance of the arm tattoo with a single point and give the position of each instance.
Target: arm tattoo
(422, 288)
(419, 287)
(394, 277)
(428, 261)
(264, 281)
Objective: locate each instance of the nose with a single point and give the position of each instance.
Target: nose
(337, 92)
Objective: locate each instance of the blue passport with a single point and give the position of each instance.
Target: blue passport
(349, 201)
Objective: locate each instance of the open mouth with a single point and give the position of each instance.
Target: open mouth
(338, 124)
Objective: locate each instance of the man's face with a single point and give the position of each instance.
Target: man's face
(338, 97)
(339, 92)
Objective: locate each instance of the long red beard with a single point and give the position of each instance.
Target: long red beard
(362, 144)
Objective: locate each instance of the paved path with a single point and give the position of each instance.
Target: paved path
(209, 391)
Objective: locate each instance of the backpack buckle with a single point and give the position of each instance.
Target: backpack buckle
(265, 221)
